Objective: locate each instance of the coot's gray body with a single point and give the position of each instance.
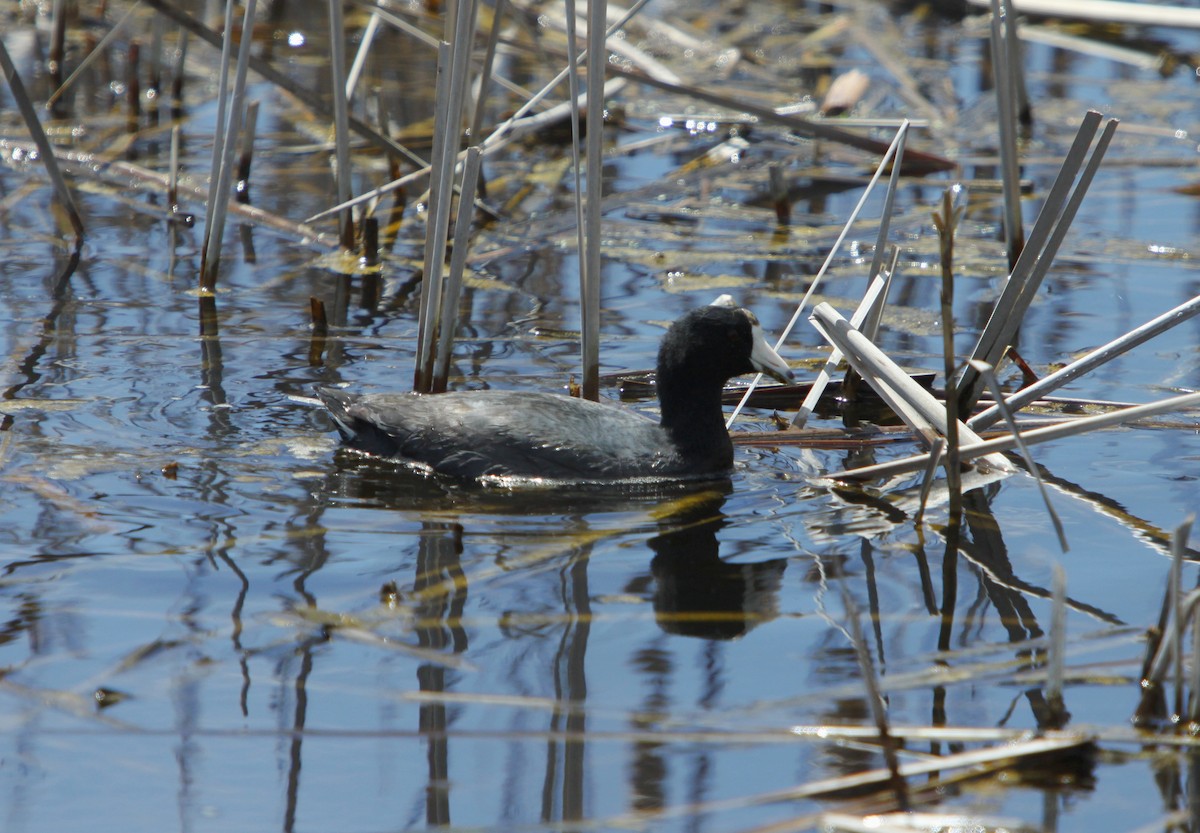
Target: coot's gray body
(510, 435)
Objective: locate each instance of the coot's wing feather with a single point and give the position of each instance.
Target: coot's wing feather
(506, 433)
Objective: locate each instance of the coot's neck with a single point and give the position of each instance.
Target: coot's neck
(692, 416)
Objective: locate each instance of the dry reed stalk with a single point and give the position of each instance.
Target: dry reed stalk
(1051, 227)
(589, 276)
(1070, 428)
(341, 123)
(224, 148)
(1089, 362)
(40, 140)
(915, 405)
(458, 263)
(1110, 11)
(1005, 63)
(990, 378)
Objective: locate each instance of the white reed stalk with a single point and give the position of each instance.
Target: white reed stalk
(222, 115)
(360, 57)
(915, 405)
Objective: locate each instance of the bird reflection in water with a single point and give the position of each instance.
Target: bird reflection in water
(698, 594)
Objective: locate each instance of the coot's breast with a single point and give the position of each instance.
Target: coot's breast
(509, 434)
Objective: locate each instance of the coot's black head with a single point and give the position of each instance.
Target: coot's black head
(711, 345)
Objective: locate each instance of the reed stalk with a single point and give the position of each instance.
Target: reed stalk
(946, 223)
(1004, 68)
(1085, 364)
(1070, 428)
(1051, 227)
(437, 225)
(247, 155)
(341, 123)
(223, 155)
(589, 289)
(990, 378)
(458, 263)
(453, 74)
(1111, 12)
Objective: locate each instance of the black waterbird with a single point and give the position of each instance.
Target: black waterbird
(515, 436)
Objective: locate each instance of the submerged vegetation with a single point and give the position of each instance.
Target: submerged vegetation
(411, 196)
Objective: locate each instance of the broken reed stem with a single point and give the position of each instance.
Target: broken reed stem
(173, 174)
(370, 241)
(177, 74)
(320, 331)
(133, 86)
(58, 40)
(1070, 428)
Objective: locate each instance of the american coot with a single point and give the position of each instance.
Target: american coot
(513, 436)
